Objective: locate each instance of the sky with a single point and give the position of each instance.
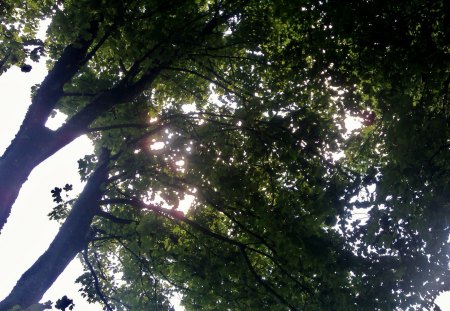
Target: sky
(29, 231)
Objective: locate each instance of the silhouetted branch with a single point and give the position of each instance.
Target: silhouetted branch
(96, 282)
(263, 282)
(114, 219)
(118, 126)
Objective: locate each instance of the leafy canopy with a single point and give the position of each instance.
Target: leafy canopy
(248, 100)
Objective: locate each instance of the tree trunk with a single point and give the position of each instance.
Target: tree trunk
(28, 149)
(70, 240)
(32, 144)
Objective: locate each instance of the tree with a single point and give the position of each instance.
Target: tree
(248, 101)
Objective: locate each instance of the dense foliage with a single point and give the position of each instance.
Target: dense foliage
(238, 109)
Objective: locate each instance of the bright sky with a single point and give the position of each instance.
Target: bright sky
(29, 231)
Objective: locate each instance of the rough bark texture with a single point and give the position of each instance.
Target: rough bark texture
(32, 143)
(28, 149)
(70, 240)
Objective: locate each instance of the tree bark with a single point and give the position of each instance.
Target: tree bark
(26, 151)
(32, 143)
(70, 240)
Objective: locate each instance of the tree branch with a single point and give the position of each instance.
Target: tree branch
(177, 215)
(114, 219)
(145, 264)
(263, 282)
(118, 126)
(96, 281)
(78, 124)
(202, 76)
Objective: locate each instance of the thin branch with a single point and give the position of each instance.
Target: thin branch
(119, 126)
(117, 177)
(98, 45)
(145, 263)
(123, 67)
(222, 210)
(440, 149)
(183, 87)
(177, 215)
(139, 139)
(96, 281)
(230, 57)
(33, 42)
(110, 237)
(99, 266)
(220, 77)
(114, 219)
(134, 69)
(103, 102)
(263, 282)
(240, 225)
(202, 76)
(214, 48)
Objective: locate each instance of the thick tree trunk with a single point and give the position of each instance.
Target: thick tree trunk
(70, 240)
(33, 143)
(28, 149)
(25, 152)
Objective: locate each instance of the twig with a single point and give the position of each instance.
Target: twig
(264, 283)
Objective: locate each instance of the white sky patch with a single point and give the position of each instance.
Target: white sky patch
(187, 108)
(186, 203)
(158, 145)
(41, 33)
(351, 124)
(56, 122)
